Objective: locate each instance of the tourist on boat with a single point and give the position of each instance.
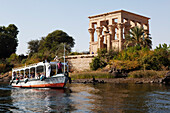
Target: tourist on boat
(14, 75)
(21, 76)
(59, 67)
(32, 75)
(26, 75)
(42, 77)
(37, 75)
(17, 77)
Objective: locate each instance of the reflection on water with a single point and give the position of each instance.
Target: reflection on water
(41, 100)
(87, 98)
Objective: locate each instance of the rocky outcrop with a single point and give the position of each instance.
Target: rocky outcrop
(118, 73)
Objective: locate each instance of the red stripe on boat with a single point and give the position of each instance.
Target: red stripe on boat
(45, 85)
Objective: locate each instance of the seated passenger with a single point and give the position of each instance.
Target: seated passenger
(42, 77)
(32, 75)
(21, 76)
(17, 77)
(37, 76)
(26, 76)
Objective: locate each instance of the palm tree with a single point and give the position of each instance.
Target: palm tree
(138, 36)
(147, 40)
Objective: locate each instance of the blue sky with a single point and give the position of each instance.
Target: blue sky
(37, 18)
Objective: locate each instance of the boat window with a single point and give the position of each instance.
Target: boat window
(21, 74)
(53, 70)
(26, 73)
(32, 73)
(40, 69)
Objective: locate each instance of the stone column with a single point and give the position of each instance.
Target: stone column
(100, 44)
(105, 37)
(141, 24)
(112, 31)
(120, 32)
(91, 31)
(108, 41)
(99, 33)
(148, 28)
(127, 28)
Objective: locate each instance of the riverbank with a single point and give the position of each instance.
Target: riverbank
(106, 77)
(120, 80)
(137, 77)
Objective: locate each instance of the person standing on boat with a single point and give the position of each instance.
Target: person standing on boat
(59, 65)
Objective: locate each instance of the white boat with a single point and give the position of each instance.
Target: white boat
(29, 76)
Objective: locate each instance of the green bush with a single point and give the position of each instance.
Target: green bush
(158, 59)
(97, 63)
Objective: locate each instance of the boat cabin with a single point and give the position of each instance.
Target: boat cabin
(48, 69)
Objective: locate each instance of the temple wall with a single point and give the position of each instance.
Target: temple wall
(79, 62)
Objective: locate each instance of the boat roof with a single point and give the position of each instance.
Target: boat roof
(35, 65)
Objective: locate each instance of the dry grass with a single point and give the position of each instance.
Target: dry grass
(90, 74)
(147, 74)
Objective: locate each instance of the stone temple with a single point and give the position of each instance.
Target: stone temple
(111, 29)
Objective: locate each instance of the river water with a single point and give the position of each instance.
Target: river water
(85, 98)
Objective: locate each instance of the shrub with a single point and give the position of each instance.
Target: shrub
(97, 63)
(32, 61)
(23, 61)
(126, 65)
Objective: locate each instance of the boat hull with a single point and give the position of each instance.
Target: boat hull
(52, 82)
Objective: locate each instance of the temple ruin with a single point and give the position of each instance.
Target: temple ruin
(111, 29)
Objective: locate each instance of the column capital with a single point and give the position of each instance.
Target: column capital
(99, 30)
(120, 25)
(91, 30)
